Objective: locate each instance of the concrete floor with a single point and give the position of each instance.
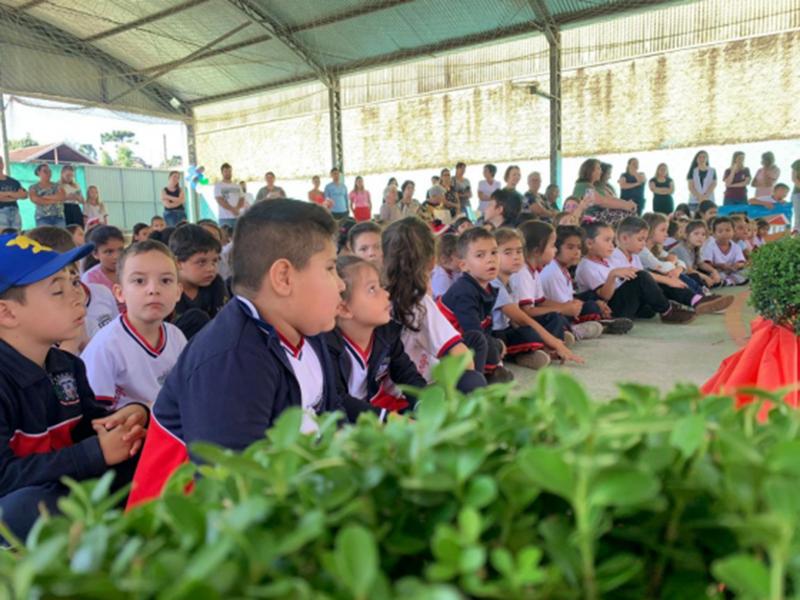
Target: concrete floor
(657, 354)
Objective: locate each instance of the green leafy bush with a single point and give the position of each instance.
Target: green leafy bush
(546, 495)
(775, 282)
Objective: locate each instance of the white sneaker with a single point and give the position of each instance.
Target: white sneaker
(569, 339)
(587, 330)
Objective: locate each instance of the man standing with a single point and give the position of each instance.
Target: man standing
(10, 192)
(270, 191)
(337, 194)
(229, 197)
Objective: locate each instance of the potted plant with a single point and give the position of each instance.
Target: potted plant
(771, 358)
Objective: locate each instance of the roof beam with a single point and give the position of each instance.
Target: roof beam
(70, 45)
(208, 53)
(281, 33)
(549, 25)
(157, 16)
(383, 59)
(606, 10)
(359, 11)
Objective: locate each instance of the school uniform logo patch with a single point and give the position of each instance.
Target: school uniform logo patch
(65, 388)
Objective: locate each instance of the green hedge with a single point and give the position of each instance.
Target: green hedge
(545, 495)
(775, 282)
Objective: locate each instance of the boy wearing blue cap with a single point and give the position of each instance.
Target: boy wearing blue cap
(51, 426)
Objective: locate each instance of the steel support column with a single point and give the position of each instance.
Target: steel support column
(335, 112)
(4, 133)
(191, 155)
(554, 40)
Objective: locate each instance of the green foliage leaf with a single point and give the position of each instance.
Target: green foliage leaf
(688, 434)
(548, 470)
(744, 574)
(356, 559)
(622, 486)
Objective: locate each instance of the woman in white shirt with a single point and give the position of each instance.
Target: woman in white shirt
(702, 179)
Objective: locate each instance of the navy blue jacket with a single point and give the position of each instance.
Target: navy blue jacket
(470, 304)
(45, 421)
(228, 387)
(387, 356)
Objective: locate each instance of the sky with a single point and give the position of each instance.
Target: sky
(50, 122)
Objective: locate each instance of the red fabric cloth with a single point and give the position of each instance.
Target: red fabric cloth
(770, 360)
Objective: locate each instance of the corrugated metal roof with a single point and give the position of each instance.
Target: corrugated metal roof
(140, 55)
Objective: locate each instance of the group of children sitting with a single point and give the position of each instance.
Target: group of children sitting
(302, 323)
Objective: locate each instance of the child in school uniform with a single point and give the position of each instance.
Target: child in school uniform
(128, 360)
(724, 255)
(556, 317)
(511, 323)
(629, 291)
(101, 306)
(762, 230)
(51, 426)
(741, 234)
(262, 353)
(447, 269)
(364, 241)
(503, 208)
(427, 335)
(108, 244)
(469, 302)
(688, 252)
(558, 285)
(203, 290)
(366, 348)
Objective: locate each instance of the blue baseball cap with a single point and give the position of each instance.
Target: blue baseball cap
(24, 261)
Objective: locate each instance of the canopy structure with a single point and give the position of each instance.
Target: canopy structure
(163, 57)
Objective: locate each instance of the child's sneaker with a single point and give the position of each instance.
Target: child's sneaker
(588, 330)
(499, 375)
(618, 326)
(713, 303)
(569, 339)
(677, 315)
(538, 359)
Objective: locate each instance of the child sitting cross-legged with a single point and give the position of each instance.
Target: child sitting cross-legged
(427, 335)
(558, 286)
(555, 316)
(447, 268)
(761, 233)
(262, 353)
(129, 359)
(367, 352)
(523, 335)
(723, 254)
(688, 251)
(630, 291)
(741, 234)
(667, 268)
(51, 426)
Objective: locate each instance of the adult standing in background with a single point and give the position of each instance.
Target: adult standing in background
(315, 194)
(702, 180)
(173, 198)
(631, 185)
(767, 176)
(229, 197)
(360, 201)
(73, 197)
(736, 178)
(48, 198)
(336, 194)
(796, 195)
(662, 187)
(534, 202)
(248, 197)
(600, 201)
(390, 211)
(450, 199)
(409, 206)
(10, 191)
(270, 191)
(551, 194)
(462, 188)
(487, 186)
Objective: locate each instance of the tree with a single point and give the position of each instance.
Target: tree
(125, 157)
(174, 161)
(118, 136)
(25, 142)
(105, 159)
(89, 150)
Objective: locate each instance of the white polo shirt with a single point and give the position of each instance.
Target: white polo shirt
(592, 274)
(499, 320)
(526, 287)
(557, 283)
(101, 308)
(712, 253)
(442, 279)
(122, 367)
(618, 260)
(436, 336)
(306, 368)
